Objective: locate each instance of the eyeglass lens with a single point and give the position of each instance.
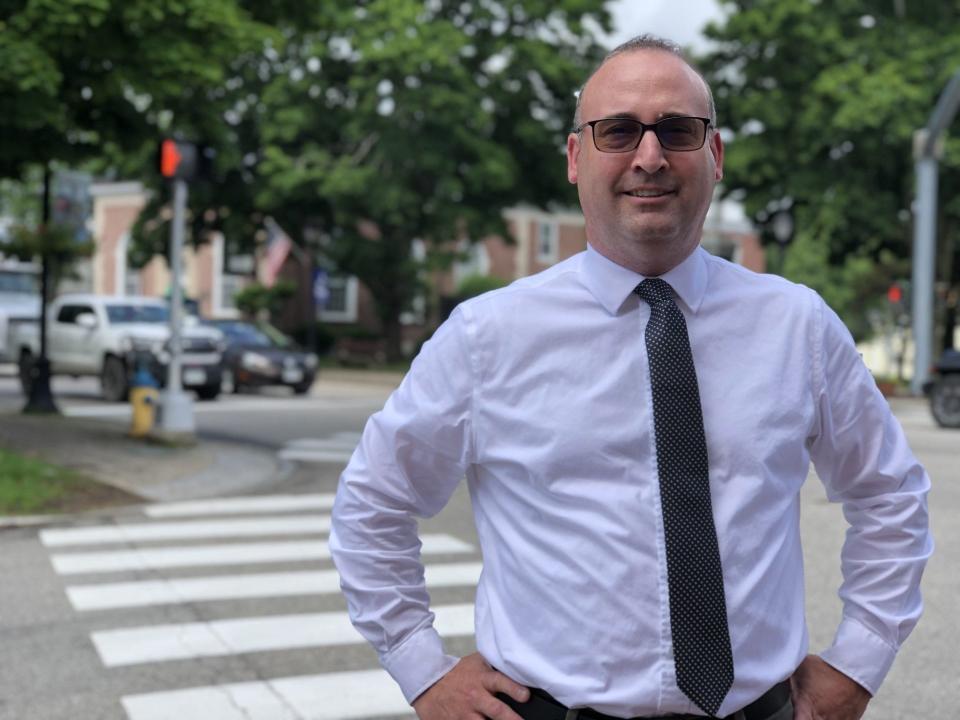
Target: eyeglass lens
(624, 134)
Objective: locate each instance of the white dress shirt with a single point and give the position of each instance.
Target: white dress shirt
(540, 395)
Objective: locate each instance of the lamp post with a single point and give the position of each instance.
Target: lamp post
(782, 227)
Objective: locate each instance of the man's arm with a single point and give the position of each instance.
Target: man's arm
(861, 455)
(409, 461)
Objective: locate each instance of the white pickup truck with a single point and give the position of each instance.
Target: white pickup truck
(110, 337)
(19, 301)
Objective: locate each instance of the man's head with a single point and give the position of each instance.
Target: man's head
(645, 207)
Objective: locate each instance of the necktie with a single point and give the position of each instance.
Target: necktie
(698, 613)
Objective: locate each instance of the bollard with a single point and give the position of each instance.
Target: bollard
(144, 391)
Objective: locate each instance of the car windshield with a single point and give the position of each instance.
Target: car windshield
(119, 314)
(243, 333)
(12, 281)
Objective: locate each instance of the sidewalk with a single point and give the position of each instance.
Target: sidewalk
(146, 470)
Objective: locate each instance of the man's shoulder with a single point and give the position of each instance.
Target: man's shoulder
(726, 277)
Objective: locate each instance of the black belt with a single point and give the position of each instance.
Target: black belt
(541, 706)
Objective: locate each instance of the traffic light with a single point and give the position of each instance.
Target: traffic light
(179, 160)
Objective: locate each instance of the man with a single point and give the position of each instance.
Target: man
(638, 519)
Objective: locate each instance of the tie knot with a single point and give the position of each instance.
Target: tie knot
(654, 291)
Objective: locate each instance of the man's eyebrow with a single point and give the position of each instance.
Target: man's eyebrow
(630, 115)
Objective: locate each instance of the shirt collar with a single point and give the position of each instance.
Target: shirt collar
(612, 284)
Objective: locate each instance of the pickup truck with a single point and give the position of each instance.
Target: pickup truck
(111, 337)
(19, 301)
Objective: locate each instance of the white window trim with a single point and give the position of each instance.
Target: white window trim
(553, 255)
(349, 314)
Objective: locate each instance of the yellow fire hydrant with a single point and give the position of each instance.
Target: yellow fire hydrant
(144, 392)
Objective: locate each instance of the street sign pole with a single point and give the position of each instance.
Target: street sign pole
(176, 406)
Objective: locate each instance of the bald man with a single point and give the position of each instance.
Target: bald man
(634, 425)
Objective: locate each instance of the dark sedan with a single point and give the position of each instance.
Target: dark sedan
(258, 355)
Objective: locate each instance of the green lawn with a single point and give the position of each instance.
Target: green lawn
(30, 486)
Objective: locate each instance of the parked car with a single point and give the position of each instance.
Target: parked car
(944, 390)
(110, 337)
(257, 355)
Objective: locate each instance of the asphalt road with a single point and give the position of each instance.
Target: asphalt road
(64, 656)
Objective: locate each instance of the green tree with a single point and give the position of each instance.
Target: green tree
(822, 99)
(94, 79)
(379, 123)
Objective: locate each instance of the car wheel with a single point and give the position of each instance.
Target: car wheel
(113, 380)
(208, 392)
(301, 388)
(25, 372)
(229, 382)
(945, 401)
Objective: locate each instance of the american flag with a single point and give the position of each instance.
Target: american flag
(279, 245)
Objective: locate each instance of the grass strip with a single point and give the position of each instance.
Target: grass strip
(30, 486)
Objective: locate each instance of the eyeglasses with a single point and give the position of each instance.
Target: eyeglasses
(618, 135)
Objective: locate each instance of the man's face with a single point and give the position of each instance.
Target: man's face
(644, 209)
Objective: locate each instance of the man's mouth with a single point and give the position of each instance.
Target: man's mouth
(648, 192)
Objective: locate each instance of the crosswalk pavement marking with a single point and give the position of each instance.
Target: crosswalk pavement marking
(222, 554)
(141, 593)
(185, 530)
(235, 532)
(182, 641)
(240, 505)
(333, 696)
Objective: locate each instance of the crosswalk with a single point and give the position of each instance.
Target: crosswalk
(177, 560)
(338, 448)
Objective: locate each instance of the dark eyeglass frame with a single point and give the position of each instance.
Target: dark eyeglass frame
(643, 131)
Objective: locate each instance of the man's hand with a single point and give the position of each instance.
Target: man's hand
(467, 693)
(821, 692)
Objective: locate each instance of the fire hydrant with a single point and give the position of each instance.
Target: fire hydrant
(144, 392)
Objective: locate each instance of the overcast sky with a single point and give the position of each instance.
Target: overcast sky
(677, 20)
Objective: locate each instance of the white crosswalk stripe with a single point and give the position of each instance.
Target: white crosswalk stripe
(335, 448)
(333, 696)
(186, 530)
(242, 505)
(221, 554)
(141, 593)
(178, 556)
(158, 643)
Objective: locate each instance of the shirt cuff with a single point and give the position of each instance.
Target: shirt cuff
(860, 655)
(418, 662)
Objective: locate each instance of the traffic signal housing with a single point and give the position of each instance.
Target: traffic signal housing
(180, 160)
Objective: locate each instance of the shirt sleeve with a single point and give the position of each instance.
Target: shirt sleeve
(861, 454)
(409, 461)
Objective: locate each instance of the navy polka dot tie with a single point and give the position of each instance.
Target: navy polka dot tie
(698, 612)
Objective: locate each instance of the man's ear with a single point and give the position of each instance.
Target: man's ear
(573, 153)
(716, 147)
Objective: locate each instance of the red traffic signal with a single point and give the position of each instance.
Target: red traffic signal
(179, 160)
(895, 294)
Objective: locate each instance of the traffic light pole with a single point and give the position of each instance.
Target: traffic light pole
(176, 406)
(40, 398)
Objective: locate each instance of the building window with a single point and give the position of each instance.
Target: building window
(230, 286)
(548, 242)
(131, 285)
(341, 305)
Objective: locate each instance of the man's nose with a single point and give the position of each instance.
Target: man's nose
(649, 155)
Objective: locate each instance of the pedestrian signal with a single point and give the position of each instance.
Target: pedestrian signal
(179, 160)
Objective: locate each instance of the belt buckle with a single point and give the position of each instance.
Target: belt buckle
(572, 714)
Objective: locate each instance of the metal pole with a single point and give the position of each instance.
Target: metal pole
(924, 244)
(176, 406)
(40, 399)
(927, 150)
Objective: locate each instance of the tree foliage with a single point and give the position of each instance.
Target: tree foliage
(822, 99)
(383, 122)
(86, 78)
